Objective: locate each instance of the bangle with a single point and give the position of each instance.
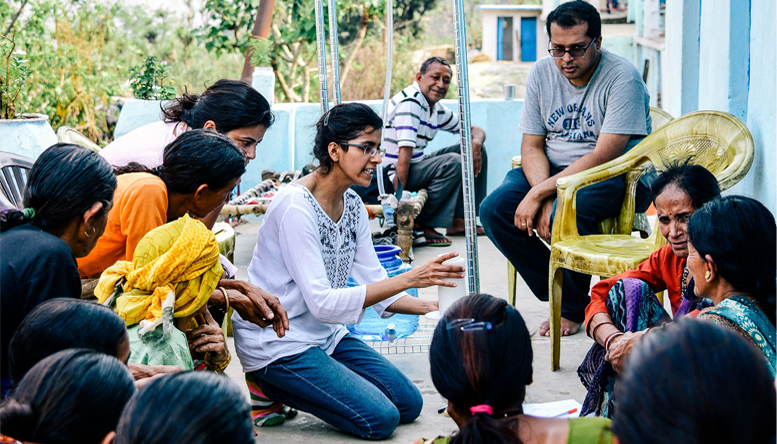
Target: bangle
(226, 298)
(593, 333)
(610, 338)
(220, 367)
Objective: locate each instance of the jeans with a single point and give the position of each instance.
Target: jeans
(355, 389)
(440, 173)
(529, 255)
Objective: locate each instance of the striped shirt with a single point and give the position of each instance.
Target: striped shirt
(410, 123)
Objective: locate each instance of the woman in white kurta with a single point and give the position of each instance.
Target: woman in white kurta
(314, 235)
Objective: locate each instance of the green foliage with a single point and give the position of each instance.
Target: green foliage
(261, 50)
(148, 80)
(14, 70)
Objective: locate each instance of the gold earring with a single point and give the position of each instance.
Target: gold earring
(94, 230)
(707, 275)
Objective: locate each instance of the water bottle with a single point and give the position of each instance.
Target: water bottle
(373, 327)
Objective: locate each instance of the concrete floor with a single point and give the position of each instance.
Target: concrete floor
(547, 386)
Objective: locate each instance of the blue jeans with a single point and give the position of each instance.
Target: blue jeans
(356, 389)
(529, 255)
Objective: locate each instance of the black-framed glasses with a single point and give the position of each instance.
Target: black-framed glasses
(576, 52)
(469, 325)
(369, 150)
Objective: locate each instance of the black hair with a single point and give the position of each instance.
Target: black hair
(432, 60)
(196, 157)
(64, 182)
(739, 234)
(60, 324)
(162, 412)
(75, 396)
(570, 14)
(340, 124)
(230, 104)
(697, 182)
(489, 367)
(694, 382)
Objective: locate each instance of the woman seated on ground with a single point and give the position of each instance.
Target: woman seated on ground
(162, 296)
(677, 193)
(67, 197)
(694, 383)
(73, 396)
(732, 261)
(481, 362)
(230, 107)
(50, 328)
(315, 234)
(187, 408)
(199, 171)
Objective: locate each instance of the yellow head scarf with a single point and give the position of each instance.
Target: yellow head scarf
(180, 257)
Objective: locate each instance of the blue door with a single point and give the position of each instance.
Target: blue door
(500, 35)
(528, 39)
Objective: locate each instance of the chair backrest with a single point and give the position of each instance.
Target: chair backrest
(14, 170)
(659, 117)
(715, 140)
(66, 134)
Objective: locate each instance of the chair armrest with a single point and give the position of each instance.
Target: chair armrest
(565, 219)
(626, 216)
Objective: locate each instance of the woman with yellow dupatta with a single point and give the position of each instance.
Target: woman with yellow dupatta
(162, 295)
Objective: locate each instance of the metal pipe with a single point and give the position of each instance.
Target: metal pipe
(467, 170)
(334, 46)
(386, 87)
(323, 95)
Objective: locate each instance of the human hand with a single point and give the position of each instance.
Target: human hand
(620, 347)
(527, 211)
(142, 371)
(433, 273)
(477, 157)
(208, 338)
(256, 305)
(543, 219)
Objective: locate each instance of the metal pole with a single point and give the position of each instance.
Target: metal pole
(387, 96)
(467, 171)
(333, 44)
(323, 95)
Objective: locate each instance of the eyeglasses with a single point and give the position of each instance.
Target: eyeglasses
(576, 51)
(469, 325)
(369, 151)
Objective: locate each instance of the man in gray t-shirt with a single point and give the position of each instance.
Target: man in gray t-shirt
(584, 106)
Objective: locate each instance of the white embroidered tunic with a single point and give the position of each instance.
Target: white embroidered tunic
(304, 258)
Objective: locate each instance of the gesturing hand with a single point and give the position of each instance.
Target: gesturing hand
(208, 338)
(434, 271)
(256, 305)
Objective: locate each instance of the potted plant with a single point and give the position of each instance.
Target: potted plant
(151, 85)
(24, 134)
(263, 78)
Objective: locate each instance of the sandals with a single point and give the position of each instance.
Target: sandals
(480, 231)
(437, 244)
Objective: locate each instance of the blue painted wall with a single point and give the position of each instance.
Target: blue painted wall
(735, 71)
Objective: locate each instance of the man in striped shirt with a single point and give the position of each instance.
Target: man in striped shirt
(415, 115)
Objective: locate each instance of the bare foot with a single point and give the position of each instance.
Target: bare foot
(457, 228)
(568, 327)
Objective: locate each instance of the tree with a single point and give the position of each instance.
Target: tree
(293, 33)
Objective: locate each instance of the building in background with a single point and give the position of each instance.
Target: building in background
(513, 32)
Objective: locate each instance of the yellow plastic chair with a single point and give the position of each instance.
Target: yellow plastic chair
(716, 140)
(610, 225)
(66, 134)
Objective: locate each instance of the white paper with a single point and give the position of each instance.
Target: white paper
(555, 409)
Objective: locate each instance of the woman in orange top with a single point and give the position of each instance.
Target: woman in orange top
(199, 170)
(678, 192)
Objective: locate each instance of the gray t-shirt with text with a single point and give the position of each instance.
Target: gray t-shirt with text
(614, 101)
